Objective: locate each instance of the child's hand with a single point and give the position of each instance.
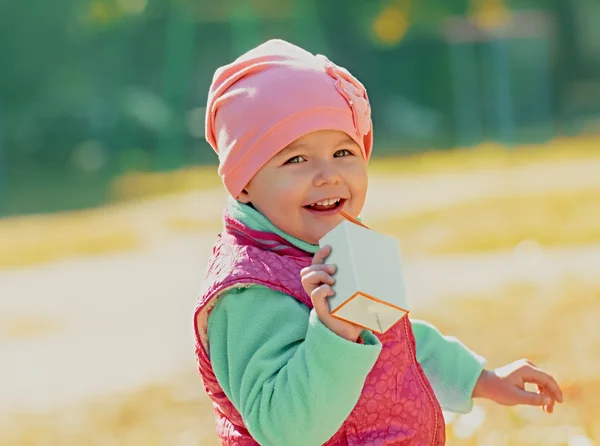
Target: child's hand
(317, 281)
(506, 386)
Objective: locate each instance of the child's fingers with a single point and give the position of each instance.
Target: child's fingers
(321, 255)
(541, 378)
(327, 268)
(553, 393)
(549, 408)
(317, 277)
(532, 398)
(322, 293)
(319, 299)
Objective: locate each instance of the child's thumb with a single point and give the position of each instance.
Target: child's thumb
(320, 300)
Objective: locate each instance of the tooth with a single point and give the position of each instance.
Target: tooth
(328, 202)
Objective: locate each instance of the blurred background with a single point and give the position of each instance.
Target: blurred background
(487, 169)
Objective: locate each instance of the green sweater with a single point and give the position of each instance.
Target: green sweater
(292, 379)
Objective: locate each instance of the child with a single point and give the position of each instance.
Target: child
(293, 134)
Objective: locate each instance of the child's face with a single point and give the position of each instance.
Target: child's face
(322, 166)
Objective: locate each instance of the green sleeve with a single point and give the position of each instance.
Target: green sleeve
(452, 369)
(290, 377)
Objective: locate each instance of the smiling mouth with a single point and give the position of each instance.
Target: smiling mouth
(326, 205)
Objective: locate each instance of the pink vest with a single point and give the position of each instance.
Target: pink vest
(397, 405)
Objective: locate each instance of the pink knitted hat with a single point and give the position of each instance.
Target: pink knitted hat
(271, 96)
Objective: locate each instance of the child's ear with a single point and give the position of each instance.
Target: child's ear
(244, 197)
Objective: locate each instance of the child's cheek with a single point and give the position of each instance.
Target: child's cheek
(358, 177)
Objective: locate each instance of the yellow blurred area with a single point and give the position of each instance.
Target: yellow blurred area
(101, 12)
(500, 223)
(490, 156)
(27, 326)
(390, 25)
(556, 328)
(490, 14)
(140, 185)
(30, 240)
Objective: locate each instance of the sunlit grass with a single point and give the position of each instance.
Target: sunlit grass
(143, 185)
(557, 328)
(29, 240)
(488, 156)
(557, 219)
(140, 185)
(551, 220)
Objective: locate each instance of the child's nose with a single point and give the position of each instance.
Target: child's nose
(326, 173)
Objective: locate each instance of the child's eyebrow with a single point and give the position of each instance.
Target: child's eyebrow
(346, 140)
(296, 146)
(291, 148)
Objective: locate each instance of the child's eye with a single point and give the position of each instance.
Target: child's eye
(295, 160)
(341, 153)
